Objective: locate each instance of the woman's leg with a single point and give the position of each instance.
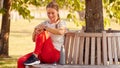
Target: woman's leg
(45, 49)
(49, 54)
(40, 39)
(21, 60)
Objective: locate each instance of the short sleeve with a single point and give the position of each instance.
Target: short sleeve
(62, 24)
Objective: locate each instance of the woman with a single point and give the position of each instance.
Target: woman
(49, 37)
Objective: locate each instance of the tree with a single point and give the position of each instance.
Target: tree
(94, 16)
(5, 29)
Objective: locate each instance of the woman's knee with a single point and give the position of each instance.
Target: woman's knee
(21, 60)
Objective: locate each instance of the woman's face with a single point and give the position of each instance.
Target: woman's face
(52, 14)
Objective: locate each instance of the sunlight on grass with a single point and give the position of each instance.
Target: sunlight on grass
(8, 63)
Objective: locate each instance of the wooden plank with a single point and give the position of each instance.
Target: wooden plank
(104, 47)
(74, 66)
(115, 50)
(112, 48)
(118, 46)
(70, 33)
(110, 51)
(92, 51)
(87, 50)
(76, 49)
(66, 41)
(90, 34)
(98, 50)
(81, 50)
(113, 34)
(67, 46)
(97, 34)
(70, 54)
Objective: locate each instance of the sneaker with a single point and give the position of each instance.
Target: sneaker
(32, 60)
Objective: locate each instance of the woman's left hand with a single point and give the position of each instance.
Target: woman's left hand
(39, 28)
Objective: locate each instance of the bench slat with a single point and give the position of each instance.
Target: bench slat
(110, 51)
(66, 44)
(90, 34)
(76, 49)
(118, 46)
(81, 50)
(74, 66)
(70, 53)
(87, 50)
(98, 50)
(92, 51)
(104, 47)
(114, 50)
(112, 34)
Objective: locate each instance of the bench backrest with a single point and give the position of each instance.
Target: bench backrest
(92, 48)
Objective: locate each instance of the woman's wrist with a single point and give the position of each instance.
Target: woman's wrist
(45, 28)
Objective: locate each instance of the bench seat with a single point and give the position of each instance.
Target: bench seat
(73, 66)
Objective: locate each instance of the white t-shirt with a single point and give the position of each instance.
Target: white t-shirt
(58, 40)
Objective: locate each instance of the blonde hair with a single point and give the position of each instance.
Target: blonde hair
(55, 6)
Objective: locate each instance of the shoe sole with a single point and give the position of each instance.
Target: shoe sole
(36, 62)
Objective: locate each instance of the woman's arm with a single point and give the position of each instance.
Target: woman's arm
(42, 27)
(36, 31)
(33, 36)
(58, 31)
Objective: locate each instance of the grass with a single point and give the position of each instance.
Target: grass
(20, 41)
(8, 62)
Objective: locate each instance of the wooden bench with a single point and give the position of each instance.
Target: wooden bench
(88, 50)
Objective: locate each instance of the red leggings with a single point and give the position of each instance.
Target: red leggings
(44, 49)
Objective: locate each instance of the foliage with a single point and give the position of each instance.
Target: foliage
(72, 5)
(2, 10)
(113, 9)
(106, 22)
(22, 7)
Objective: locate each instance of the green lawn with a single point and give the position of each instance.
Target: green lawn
(20, 41)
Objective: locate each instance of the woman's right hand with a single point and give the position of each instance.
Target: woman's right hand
(38, 29)
(35, 32)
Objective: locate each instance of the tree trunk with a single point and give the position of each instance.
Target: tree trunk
(94, 16)
(5, 29)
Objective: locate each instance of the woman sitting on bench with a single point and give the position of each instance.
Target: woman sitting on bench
(49, 37)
